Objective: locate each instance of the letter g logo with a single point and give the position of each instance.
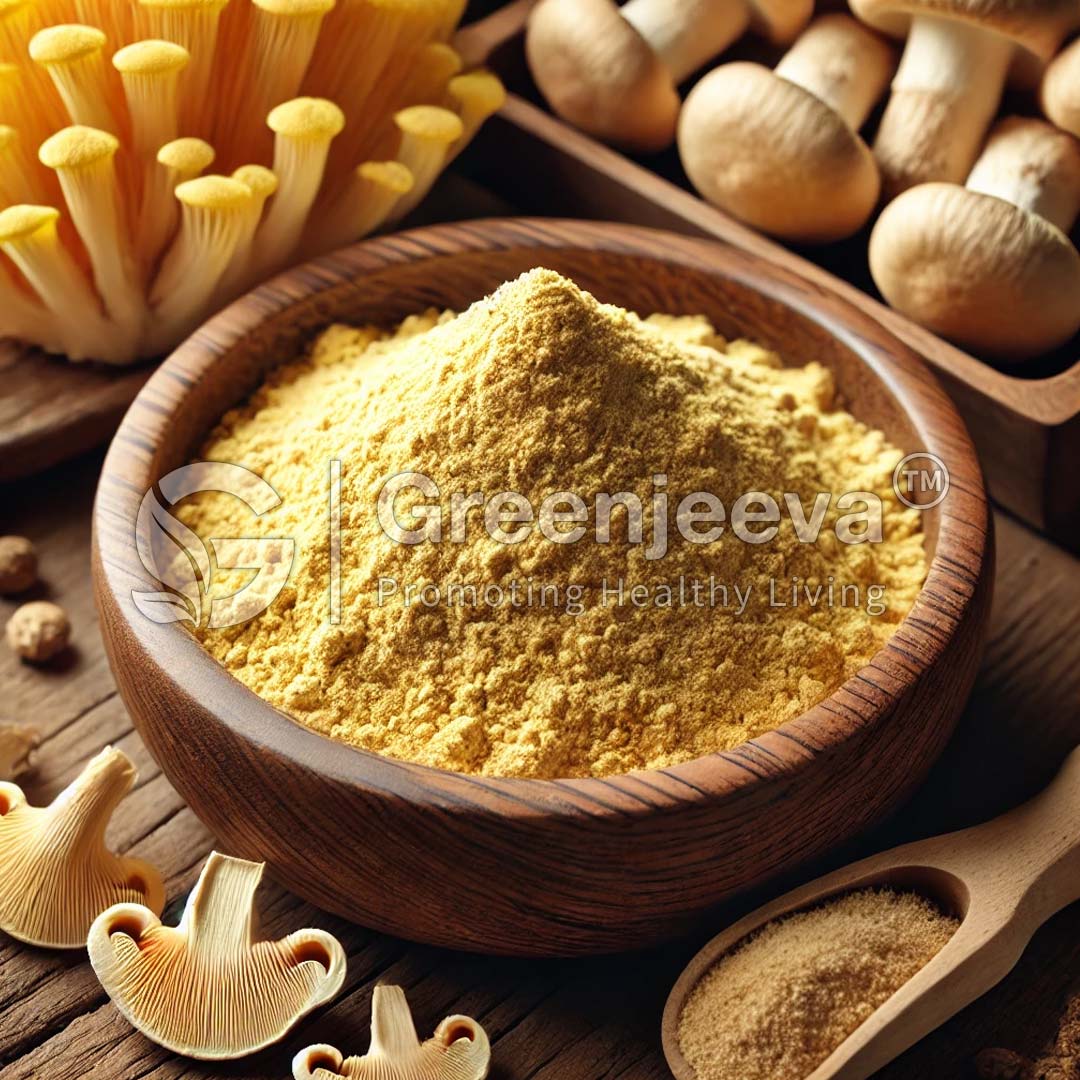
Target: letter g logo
(179, 560)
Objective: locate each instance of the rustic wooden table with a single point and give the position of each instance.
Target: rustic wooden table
(581, 1020)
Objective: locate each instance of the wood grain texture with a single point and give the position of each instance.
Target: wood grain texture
(1025, 427)
(595, 1019)
(530, 867)
(52, 410)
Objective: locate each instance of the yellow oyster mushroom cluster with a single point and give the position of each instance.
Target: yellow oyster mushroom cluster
(322, 120)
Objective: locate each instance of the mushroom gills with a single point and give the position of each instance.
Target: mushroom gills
(58, 874)
(206, 989)
(459, 1049)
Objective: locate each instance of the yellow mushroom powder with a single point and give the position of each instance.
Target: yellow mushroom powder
(776, 1006)
(600, 657)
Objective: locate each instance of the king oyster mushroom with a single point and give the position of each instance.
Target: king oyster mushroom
(781, 149)
(58, 874)
(990, 265)
(17, 745)
(950, 80)
(207, 989)
(614, 71)
(459, 1049)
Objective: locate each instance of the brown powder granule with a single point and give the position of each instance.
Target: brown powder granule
(539, 389)
(781, 1002)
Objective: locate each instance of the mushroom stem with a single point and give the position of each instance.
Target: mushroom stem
(192, 24)
(211, 225)
(427, 134)
(1033, 166)
(393, 1033)
(262, 183)
(81, 812)
(29, 237)
(945, 94)
(73, 57)
(304, 129)
(687, 34)
(842, 64)
(150, 71)
(85, 161)
(177, 162)
(221, 909)
(362, 207)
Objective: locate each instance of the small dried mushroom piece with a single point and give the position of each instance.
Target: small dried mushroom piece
(38, 631)
(206, 989)
(58, 874)
(17, 744)
(459, 1049)
(18, 564)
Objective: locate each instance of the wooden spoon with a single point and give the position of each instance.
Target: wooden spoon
(1003, 879)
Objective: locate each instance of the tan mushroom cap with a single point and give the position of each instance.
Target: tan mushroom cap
(459, 1049)
(1061, 89)
(977, 270)
(599, 73)
(780, 20)
(17, 745)
(774, 155)
(1035, 25)
(58, 875)
(207, 989)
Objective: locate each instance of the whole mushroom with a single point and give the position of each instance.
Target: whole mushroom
(781, 149)
(949, 84)
(1061, 89)
(990, 265)
(614, 72)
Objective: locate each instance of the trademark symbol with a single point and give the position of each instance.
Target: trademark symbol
(921, 480)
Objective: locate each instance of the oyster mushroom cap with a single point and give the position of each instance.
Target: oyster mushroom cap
(459, 1049)
(978, 270)
(614, 72)
(58, 874)
(206, 989)
(1061, 89)
(17, 745)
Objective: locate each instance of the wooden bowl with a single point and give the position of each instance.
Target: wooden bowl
(532, 867)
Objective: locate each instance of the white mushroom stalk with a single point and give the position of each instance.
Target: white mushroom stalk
(303, 130)
(58, 874)
(305, 89)
(459, 1049)
(950, 80)
(427, 135)
(30, 239)
(362, 207)
(74, 58)
(615, 72)
(215, 212)
(207, 989)
(990, 265)
(17, 745)
(83, 158)
(781, 149)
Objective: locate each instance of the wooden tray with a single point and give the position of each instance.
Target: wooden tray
(1026, 428)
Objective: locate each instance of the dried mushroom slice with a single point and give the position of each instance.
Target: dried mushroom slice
(17, 745)
(206, 989)
(58, 874)
(459, 1049)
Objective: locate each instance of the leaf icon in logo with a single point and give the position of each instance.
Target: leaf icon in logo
(177, 558)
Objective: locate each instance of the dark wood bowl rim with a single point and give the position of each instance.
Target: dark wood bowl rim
(961, 540)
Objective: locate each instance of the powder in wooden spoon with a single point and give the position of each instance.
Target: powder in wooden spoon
(776, 1006)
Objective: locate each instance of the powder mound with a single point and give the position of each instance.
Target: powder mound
(539, 389)
(777, 1005)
